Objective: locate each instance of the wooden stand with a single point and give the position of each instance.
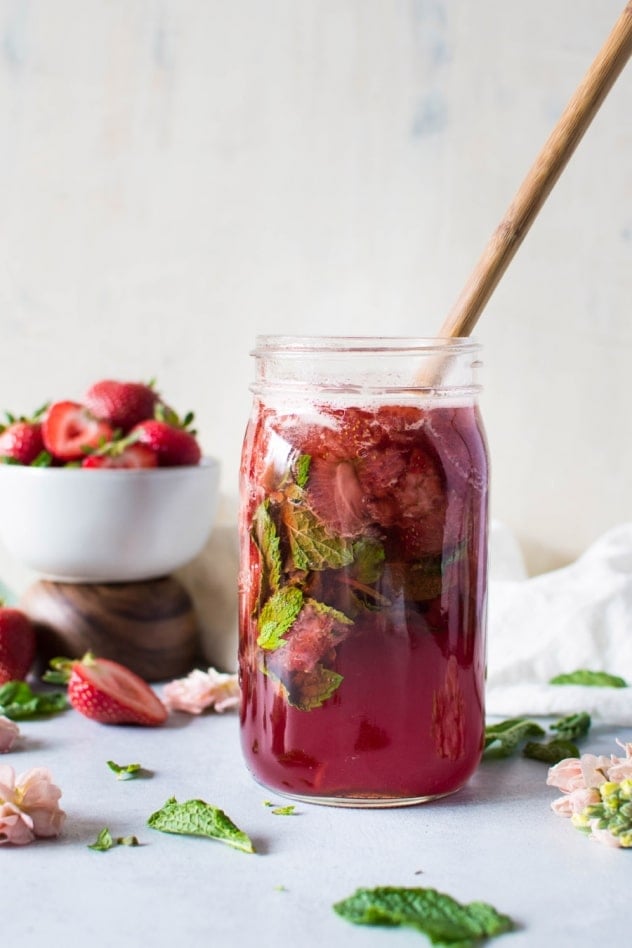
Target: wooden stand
(150, 626)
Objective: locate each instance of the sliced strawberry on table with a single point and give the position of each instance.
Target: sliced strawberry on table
(107, 692)
(122, 404)
(69, 429)
(174, 443)
(17, 644)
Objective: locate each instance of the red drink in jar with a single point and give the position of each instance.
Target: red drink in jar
(363, 571)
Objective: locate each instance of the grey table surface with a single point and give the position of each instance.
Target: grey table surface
(497, 840)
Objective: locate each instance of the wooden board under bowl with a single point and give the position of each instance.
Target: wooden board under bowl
(150, 627)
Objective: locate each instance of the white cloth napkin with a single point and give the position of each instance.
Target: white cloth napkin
(571, 618)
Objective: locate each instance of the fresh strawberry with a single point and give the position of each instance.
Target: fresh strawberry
(122, 404)
(22, 442)
(69, 429)
(107, 692)
(123, 453)
(17, 644)
(174, 445)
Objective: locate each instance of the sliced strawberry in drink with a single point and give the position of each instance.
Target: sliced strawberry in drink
(107, 692)
(312, 637)
(335, 495)
(69, 429)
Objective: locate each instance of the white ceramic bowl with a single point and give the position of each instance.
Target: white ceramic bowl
(107, 525)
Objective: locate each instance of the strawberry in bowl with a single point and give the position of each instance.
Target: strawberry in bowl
(119, 490)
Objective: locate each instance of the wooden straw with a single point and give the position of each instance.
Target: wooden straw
(541, 178)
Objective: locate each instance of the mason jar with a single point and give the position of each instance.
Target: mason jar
(363, 531)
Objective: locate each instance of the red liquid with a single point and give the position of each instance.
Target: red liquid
(362, 601)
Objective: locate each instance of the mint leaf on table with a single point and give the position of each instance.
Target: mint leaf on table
(502, 739)
(583, 676)
(550, 752)
(278, 615)
(281, 810)
(197, 818)
(573, 726)
(124, 771)
(19, 702)
(444, 920)
(105, 841)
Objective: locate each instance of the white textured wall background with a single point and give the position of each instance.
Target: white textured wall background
(178, 175)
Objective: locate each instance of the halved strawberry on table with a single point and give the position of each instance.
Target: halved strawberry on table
(69, 430)
(107, 692)
(122, 404)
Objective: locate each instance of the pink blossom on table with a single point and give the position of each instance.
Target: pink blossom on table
(201, 690)
(29, 805)
(621, 767)
(567, 775)
(597, 793)
(576, 801)
(603, 835)
(9, 733)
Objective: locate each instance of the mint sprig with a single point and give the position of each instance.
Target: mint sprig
(19, 702)
(444, 920)
(594, 679)
(198, 818)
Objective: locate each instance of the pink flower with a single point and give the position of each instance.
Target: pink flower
(567, 775)
(575, 801)
(621, 767)
(595, 769)
(201, 690)
(29, 805)
(9, 732)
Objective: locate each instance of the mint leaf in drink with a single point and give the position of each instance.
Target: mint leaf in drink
(444, 920)
(19, 702)
(572, 727)
(502, 739)
(124, 771)
(309, 690)
(583, 676)
(311, 544)
(368, 560)
(301, 469)
(267, 540)
(278, 615)
(323, 609)
(197, 818)
(550, 752)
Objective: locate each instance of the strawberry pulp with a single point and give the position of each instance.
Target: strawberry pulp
(362, 601)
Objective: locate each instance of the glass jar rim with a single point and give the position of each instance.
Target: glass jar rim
(359, 344)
